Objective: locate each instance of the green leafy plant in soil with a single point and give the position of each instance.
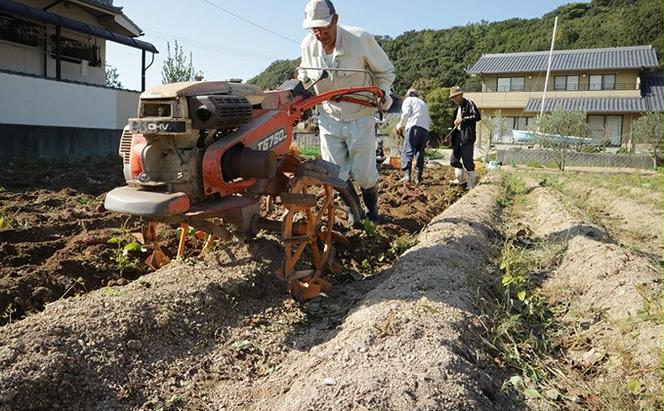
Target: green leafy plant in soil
(127, 251)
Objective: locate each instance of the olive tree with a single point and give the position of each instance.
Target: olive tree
(176, 67)
(560, 132)
(494, 126)
(648, 130)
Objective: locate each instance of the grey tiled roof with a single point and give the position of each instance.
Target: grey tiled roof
(651, 90)
(650, 100)
(589, 104)
(635, 57)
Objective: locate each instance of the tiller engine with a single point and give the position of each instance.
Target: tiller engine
(204, 154)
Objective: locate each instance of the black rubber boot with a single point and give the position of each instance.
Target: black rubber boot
(370, 196)
(354, 202)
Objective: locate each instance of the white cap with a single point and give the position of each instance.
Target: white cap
(318, 13)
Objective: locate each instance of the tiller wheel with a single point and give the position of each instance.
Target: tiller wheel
(308, 225)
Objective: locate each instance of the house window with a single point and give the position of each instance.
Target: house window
(568, 83)
(20, 31)
(75, 51)
(518, 123)
(606, 129)
(602, 82)
(511, 84)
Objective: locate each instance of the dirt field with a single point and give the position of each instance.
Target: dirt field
(413, 323)
(54, 232)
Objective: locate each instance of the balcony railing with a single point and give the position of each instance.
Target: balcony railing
(540, 88)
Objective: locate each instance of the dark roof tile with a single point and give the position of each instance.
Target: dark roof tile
(651, 100)
(635, 57)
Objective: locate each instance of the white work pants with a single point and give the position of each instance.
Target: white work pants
(352, 146)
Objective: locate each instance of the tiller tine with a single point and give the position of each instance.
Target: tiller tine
(306, 289)
(183, 240)
(157, 259)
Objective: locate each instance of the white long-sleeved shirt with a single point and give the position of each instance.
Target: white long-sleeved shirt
(354, 49)
(414, 112)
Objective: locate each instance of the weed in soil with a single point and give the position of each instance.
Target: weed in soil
(517, 319)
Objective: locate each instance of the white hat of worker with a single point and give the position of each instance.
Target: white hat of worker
(318, 13)
(412, 92)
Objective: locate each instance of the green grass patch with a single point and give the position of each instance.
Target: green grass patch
(511, 186)
(112, 292)
(623, 184)
(310, 151)
(402, 243)
(5, 222)
(433, 154)
(534, 164)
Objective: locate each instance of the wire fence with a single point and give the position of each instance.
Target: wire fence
(546, 158)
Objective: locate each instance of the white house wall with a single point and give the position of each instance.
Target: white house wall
(20, 58)
(73, 71)
(27, 59)
(40, 102)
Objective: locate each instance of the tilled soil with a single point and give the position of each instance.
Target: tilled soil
(55, 232)
(410, 344)
(164, 341)
(216, 333)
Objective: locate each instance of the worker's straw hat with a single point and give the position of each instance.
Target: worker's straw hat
(455, 91)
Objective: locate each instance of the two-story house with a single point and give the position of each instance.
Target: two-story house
(613, 86)
(53, 98)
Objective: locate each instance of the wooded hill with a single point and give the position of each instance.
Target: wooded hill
(435, 58)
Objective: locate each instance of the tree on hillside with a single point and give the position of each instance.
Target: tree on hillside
(559, 132)
(176, 67)
(425, 85)
(112, 77)
(441, 110)
(277, 72)
(648, 130)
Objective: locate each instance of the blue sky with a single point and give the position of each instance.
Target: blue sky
(224, 46)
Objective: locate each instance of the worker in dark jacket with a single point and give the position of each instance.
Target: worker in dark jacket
(463, 138)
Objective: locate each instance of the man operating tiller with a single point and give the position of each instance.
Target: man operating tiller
(340, 57)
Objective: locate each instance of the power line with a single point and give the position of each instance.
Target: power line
(250, 22)
(207, 46)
